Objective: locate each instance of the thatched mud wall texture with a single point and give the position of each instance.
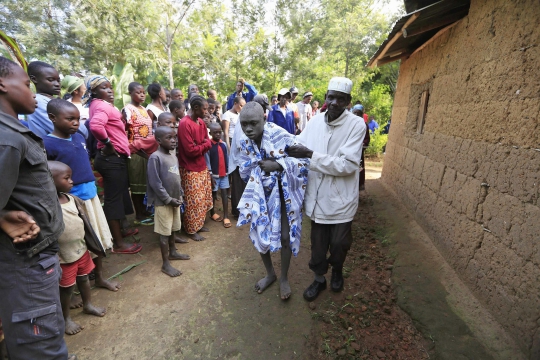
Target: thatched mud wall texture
(471, 176)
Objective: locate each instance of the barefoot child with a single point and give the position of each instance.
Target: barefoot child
(75, 259)
(165, 192)
(218, 161)
(272, 200)
(64, 144)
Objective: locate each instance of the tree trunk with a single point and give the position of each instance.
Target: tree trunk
(169, 56)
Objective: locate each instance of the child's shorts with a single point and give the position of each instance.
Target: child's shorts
(167, 219)
(81, 267)
(221, 183)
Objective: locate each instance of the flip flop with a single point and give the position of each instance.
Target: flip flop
(145, 222)
(133, 249)
(218, 219)
(130, 232)
(226, 223)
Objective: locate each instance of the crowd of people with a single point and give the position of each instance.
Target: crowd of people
(167, 164)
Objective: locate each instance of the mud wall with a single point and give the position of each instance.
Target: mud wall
(472, 177)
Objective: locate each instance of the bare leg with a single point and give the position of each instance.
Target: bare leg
(84, 287)
(179, 239)
(286, 251)
(225, 201)
(138, 203)
(214, 197)
(76, 302)
(116, 231)
(100, 280)
(72, 327)
(173, 254)
(167, 267)
(270, 277)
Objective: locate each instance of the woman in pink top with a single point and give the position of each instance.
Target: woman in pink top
(111, 160)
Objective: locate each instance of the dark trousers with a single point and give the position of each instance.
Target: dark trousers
(362, 180)
(334, 237)
(30, 305)
(237, 189)
(114, 171)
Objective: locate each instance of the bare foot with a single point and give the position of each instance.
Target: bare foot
(109, 285)
(94, 310)
(72, 327)
(285, 289)
(196, 237)
(76, 302)
(204, 229)
(180, 240)
(265, 282)
(169, 270)
(177, 256)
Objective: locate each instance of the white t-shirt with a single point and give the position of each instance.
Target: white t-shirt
(232, 118)
(304, 112)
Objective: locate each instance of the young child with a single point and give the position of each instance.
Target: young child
(75, 259)
(167, 119)
(165, 192)
(47, 83)
(64, 144)
(217, 160)
(167, 99)
(178, 109)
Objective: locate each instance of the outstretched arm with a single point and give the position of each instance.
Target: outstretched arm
(251, 91)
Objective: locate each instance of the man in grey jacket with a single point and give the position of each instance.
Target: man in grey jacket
(333, 142)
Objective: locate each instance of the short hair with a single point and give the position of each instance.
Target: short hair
(6, 66)
(196, 100)
(164, 115)
(253, 108)
(209, 91)
(214, 125)
(35, 67)
(55, 106)
(162, 131)
(273, 97)
(191, 86)
(133, 85)
(176, 104)
(153, 90)
(56, 167)
(238, 99)
(211, 101)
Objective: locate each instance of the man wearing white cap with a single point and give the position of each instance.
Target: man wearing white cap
(304, 110)
(333, 141)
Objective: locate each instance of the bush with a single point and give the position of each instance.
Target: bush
(377, 142)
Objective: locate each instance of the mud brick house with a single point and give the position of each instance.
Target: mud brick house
(464, 148)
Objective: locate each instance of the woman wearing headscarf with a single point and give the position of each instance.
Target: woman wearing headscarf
(75, 87)
(111, 158)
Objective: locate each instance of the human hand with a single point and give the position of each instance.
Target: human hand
(269, 165)
(109, 150)
(213, 181)
(175, 202)
(18, 225)
(299, 151)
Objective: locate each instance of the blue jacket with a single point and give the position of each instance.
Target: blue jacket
(286, 122)
(248, 96)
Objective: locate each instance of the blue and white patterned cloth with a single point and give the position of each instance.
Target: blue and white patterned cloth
(260, 204)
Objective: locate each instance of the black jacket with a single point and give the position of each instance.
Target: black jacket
(26, 184)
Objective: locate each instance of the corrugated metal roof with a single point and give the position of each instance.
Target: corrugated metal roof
(414, 29)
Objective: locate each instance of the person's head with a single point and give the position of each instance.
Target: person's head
(45, 78)
(193, 89)
(284, 97)
(177, 94)
(294, 92)
(215, 131)
(315, 105)
(252, 120)
(156, 92)
(211, 105)
(358, 110)
(99, 87)
(178, 109)
(74, 86)
(262, 100)
(238, 104)
(166, 137)
(338, 96)
(64, 115)
(274, 100)
(212, 94)
(61, 174)
(306, 99)
(167, 97)
(16, 97)
(371, 117)
(240, 85)
(199, 106)
(166, 119)
(137, 93)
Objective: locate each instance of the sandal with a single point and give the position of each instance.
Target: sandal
(130, 232)
(145, 222)
(216, 218)
(226, 223)
(133, 249)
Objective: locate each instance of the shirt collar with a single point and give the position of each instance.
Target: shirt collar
(13, 123)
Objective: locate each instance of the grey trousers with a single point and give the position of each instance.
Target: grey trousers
(336, 238)
(30, 305)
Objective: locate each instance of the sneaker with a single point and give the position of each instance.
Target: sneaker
(336, 284)
(313, 290)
